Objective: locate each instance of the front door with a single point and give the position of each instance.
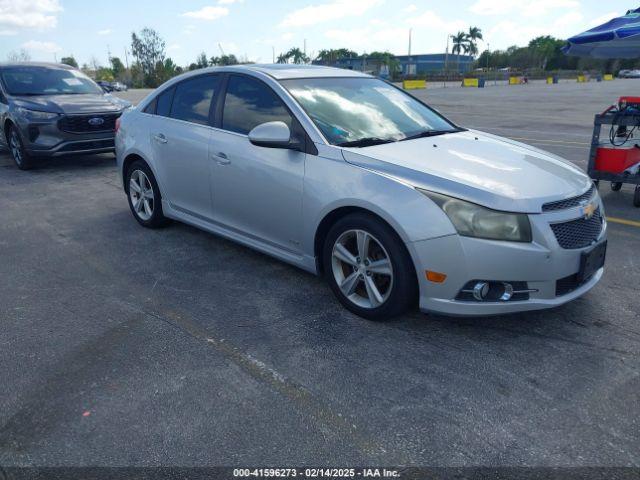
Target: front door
(256, 190)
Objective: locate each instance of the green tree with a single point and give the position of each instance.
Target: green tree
(473, 36)
(202, 61)
(148, 49)
(117, 67)
(295, 55)
(460, 45)
(332, 55)
(69, 61)
(387, 59)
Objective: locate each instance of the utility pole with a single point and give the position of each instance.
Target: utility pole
(446, 62)
(221, 50)
(304, 50)
(410, 41)
(126, 57)
(273, 53)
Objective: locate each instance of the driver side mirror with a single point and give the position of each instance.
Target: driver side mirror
(273, 135)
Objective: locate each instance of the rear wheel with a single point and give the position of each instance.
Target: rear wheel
(368, 268)
(636, 196)
(23, 160)
(144, 196)
(616, 186)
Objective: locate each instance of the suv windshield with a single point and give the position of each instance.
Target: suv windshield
(364, 111)
(29, 80)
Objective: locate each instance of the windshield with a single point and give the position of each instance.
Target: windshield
(28, 80)
(367, 111)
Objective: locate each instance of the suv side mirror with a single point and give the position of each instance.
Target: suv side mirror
(272, 135)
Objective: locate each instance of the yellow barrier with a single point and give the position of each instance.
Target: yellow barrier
(549, 80)
(414, 84)
(470, 82)
(515, 80)
(583, 79)
(608, 77)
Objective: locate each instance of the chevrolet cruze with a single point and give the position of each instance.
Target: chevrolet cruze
(349, 177)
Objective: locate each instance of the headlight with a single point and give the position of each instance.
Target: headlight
(36, 114)
(472, 220)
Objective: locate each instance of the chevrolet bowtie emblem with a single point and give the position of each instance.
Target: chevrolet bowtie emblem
(589, 210)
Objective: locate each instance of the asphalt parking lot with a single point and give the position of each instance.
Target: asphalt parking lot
(125, 346)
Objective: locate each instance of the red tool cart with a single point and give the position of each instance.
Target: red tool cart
(617, 158)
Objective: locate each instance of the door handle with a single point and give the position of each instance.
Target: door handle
(222, 158)
(160, 138)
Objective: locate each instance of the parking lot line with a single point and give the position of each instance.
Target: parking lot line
(623, 221)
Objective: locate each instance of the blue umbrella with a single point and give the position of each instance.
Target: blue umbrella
(618, 38)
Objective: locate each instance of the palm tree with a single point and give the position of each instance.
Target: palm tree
(460, 44)
(283, 58)
(297, 55)
(473, 36)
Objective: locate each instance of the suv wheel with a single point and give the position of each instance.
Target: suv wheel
(368, 268)
(144, 196)
(16, 147)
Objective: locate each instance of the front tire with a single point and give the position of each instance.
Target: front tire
(144, 196)
(22, 159)
(368, 267)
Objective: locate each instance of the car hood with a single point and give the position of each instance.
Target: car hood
(72, 104)
(485, 169)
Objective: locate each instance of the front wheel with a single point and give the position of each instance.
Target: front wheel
(368, 268)
(144, 196)
(20, 156)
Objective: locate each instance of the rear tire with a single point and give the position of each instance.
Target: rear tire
(144, 196)
(368, 268)
(636, 196)
(616, 186)
(22, 159)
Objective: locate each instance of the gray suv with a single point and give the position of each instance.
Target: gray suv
(49, 110)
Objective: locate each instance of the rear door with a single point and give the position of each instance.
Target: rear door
(180, 136)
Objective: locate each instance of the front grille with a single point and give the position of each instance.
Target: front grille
(569, 284)
(82, 124)
(578, 233)
(569, 202)
(92, 145)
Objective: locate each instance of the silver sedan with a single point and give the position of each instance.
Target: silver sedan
(349, 177)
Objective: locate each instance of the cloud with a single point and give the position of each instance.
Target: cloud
(229, 2)
(433, 21)
(106, 31)
(173, 47)
(535, 8)
(23, 14)
(314, 14)
(410, 8)
(44, 47)
(286, 36)
(207, 13)
(370, 38)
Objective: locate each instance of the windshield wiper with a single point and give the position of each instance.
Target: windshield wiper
(429, 133)
(366, 142)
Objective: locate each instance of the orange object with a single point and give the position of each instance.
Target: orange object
(435, 277)
(616, 160)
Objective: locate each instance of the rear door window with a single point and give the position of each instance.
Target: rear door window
(163, 107)
(192, 99)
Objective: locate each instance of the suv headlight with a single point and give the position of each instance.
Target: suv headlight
(36, 114)
(471, 220)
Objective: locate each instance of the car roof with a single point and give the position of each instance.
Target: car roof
(36, 64)
(282, 71)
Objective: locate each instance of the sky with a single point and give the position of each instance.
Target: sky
(253, 29)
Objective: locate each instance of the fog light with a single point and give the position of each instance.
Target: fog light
(508, 292)
(480, 291)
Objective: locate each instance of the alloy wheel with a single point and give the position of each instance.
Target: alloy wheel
(141, 195)
(362, 268)
(16, 147)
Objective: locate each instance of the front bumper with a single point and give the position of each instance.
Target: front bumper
(46, 139)
(540, 263)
